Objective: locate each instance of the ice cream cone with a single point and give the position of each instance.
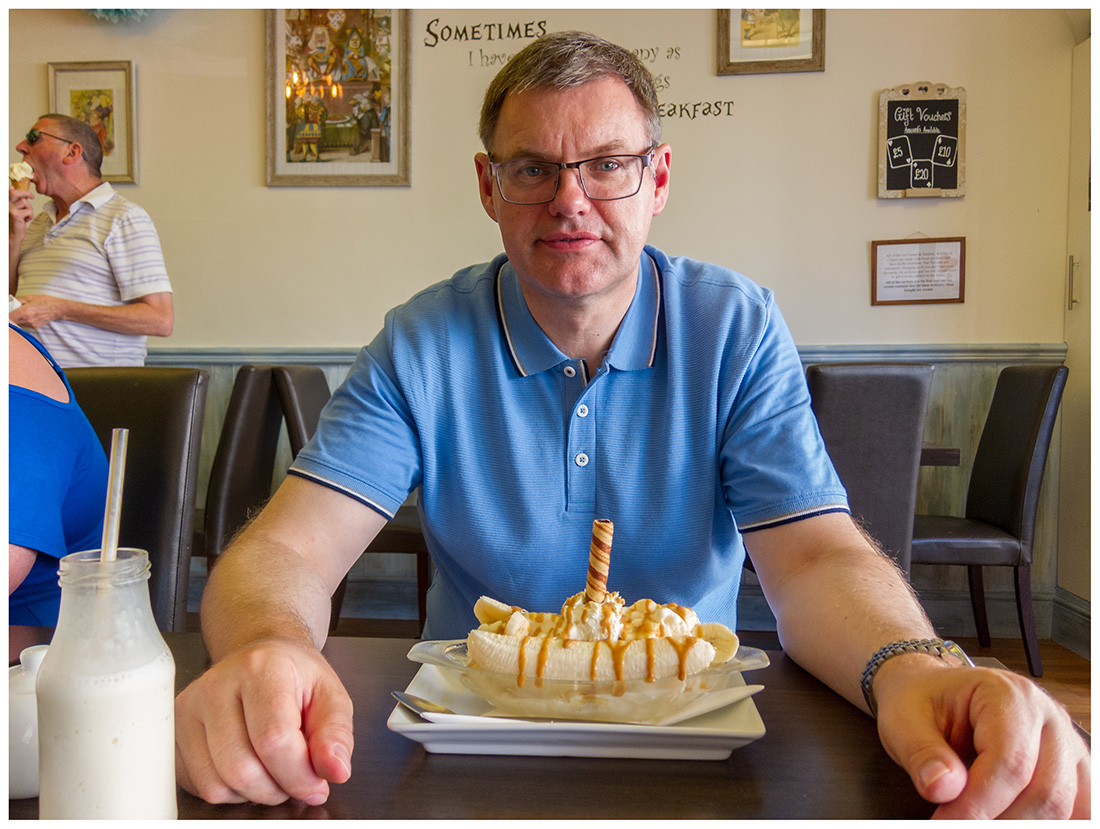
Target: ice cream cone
(599, 560)
(20, 174)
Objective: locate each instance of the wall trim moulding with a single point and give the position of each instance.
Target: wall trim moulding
(991, 353)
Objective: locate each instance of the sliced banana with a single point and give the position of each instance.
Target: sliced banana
(489, 610)
(555, 658)
(723, 639)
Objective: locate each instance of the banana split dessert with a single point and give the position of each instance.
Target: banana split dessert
(596, 637)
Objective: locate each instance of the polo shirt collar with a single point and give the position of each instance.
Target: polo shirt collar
(94, 198)
(635, 343)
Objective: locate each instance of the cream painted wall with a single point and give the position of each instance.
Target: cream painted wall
(783, 190)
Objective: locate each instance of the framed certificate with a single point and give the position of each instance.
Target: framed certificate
(917, 271)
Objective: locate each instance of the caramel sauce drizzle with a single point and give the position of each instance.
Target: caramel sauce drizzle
(682, 650)
(650, 630)
(522, 662)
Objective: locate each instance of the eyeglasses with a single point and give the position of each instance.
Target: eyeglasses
(605, 178)
(35, 134)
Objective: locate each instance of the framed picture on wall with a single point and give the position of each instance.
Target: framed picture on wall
(918, 271)
(759, 41)
(100, 93)
(337, 96)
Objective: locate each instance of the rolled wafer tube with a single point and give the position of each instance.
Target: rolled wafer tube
(599, 560)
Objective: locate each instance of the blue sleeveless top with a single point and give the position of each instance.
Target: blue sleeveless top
(57, 489)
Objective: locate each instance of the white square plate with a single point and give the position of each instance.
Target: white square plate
(711, 736)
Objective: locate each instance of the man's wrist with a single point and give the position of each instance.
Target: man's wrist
(938, 649)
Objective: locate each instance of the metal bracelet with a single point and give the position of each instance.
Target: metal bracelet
(936, 647)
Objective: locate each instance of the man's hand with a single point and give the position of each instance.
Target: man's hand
(20, 211)
(38, 310)
(982, 743)
(269, 722)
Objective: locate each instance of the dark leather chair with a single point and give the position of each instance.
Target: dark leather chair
(998, 528)
(304, 392)
(244, 462)
(871, 416)
(163, 408)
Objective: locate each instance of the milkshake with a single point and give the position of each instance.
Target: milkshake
(106, 737)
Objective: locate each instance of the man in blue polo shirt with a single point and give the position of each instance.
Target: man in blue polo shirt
(583, 374)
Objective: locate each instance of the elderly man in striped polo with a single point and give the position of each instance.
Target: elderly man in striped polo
(88, 271)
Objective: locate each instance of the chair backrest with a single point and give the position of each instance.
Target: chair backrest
(244, 462)
(871, 416)
(163, 408)
(1012, 451)
(303, 391)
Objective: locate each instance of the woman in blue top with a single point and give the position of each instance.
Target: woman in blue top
(57, 480)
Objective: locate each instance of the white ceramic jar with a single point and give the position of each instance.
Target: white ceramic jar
(23, 724)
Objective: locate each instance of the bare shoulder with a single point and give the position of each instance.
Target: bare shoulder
(28, 369)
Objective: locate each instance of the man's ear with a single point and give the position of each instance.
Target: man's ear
(662, 161)
(74, 154)
(486, 185)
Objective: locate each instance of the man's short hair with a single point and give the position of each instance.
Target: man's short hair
(564, 60)
(76, 130)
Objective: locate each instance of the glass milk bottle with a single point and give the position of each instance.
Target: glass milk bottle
(106, 687)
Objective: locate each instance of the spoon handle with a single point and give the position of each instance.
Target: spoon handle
(434, 712)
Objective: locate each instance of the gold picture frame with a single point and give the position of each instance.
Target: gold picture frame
(100, 93)
(761, 41)
(337, 97)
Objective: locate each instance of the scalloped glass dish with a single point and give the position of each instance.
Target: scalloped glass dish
(624, 701)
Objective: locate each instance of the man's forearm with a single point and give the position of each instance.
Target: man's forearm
(13, 265)
(257, 590)
(140, 317)
(277, 578)
(842, 604)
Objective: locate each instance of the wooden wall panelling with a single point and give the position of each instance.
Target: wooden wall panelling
(962, 387)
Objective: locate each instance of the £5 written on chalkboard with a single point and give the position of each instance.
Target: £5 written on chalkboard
(922, 141)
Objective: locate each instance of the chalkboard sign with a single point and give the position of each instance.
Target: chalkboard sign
(922, 141)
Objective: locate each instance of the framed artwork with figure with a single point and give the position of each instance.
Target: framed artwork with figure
(762, 41)
(337, 94)
(100, 93)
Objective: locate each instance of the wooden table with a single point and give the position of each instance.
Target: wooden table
(820, 758)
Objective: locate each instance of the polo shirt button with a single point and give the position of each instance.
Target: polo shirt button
(582, 411)
(569, 371)
(582, 459)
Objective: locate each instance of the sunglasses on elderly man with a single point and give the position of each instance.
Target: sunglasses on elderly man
(35, 134)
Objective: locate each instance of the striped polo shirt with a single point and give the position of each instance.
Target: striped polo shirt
(695, 428)
(104, 252)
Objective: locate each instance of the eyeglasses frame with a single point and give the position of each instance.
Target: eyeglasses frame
(646, 159)
(34, 135)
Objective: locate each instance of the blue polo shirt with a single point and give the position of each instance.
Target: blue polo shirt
(697, 427)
